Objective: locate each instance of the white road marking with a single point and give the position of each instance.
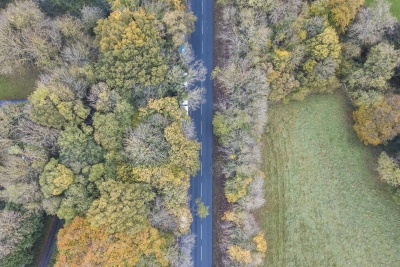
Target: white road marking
(201, 107)
(201, 168)
(201, 192)
(202, 27)
(201, 253)
(201, 148)
(201, 231)
(202, 48)
(201, 127)
(202, 7)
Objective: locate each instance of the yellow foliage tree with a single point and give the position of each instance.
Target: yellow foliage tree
(238, 254)
(379, 122)
(236, 187)
(130, 47)
(343, 11)
(232, 216)
(261, 244)
(324, 45)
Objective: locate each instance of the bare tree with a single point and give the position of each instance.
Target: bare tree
(90, 15)
(159, 216)
(10, 223)
(256, 196)
(189, 130)
(371, 23)
(186, 246)
(146, 144)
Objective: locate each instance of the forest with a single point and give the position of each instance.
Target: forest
(102, 142)
(283, 51)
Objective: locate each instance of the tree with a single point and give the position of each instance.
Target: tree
(81, 245)
(342, 12)
(255, 197)
(380, 122)
(19, 229)
(179, 24)
(130, 48)
(26, 37)
(121, 207)
(202, 210)
(77, 199)
(260, 242)
(110, 127)
(10, 224)
(236, 188)
(184, 152)
(371, 24)
(227, 125)
(377, 70)
(78, 149)
(57, 104)
(55, 178)
(146, 143)
(325, 45)
(389, 170)
(240, 255)
(44, 110)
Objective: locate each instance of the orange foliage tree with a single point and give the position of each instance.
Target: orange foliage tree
(81, 245)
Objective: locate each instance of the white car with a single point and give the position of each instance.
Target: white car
(185, 105)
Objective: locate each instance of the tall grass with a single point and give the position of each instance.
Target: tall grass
(325, 204)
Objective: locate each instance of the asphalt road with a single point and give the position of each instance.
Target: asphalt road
(201, 184)
(50, 242)
(3, 102)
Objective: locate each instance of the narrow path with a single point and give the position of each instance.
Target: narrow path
(50, 242)
(201, 184)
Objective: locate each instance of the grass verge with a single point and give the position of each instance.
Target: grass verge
(18, 85)
(395, 8)
(325, 204)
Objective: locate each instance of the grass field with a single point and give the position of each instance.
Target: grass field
(395, 8)
(325, 204)
(18, 85)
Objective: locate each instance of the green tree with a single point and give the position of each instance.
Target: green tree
(121, 206)
(226, 125)
(377, 69)
(77, 199)
(77, 149)
(202, 210)
(109, 127)
(130, 48)
(19, 230)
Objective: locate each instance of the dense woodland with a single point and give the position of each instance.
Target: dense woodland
(283, 51)
(102, 141)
